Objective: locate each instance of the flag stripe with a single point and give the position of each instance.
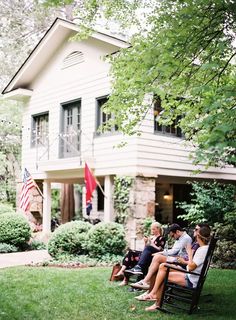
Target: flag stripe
(28, 183)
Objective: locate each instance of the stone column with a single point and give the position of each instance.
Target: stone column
(108, 200)
(142, 205)
(46, 208)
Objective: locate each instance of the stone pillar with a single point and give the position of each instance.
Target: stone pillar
(142, 205)
(46, 208)
(108, 200)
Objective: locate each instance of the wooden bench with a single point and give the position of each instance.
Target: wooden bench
(185, 298)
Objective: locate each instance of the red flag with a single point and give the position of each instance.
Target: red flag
(28, 183)
(90, 184)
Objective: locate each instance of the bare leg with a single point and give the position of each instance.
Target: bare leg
(174, 276)
(154, 266)
(121, 272)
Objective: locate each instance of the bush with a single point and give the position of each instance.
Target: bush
(6, 208)
(14, 229)
(7, 248)
(69, 238)
(225, 254)
(37, 245)
(106, 238)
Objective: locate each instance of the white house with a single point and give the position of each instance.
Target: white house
(63, 84)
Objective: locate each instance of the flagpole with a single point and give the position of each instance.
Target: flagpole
(39, 191)
(100, 187)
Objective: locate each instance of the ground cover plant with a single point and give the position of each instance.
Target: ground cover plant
(85, 294)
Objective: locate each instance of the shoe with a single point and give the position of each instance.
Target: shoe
(136, 270)
(140, 285)
(134, 289)
(153, 308)
(141, 296)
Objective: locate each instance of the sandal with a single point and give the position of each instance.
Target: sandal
(147, 297)
(141, 296)
(153, 308)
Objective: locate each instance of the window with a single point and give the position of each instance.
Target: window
(103, 118)
(159, 128)
(39, 130)
(70, 129)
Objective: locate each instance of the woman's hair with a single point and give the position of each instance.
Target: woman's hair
(204, 233)
(157, 225)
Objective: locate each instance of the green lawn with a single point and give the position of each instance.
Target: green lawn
(32, 293)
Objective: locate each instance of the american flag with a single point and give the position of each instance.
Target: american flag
(28, 183)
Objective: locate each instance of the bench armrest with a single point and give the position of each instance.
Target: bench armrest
(171, 266)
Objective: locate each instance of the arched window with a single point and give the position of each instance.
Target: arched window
(73, 58)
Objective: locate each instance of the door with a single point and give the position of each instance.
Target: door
(70, 130)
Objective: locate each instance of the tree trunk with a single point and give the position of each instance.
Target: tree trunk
(67, 202)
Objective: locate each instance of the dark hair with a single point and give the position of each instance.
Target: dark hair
(204, 234)
(174, 227)
(203, 224)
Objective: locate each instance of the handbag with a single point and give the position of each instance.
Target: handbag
(115, 269)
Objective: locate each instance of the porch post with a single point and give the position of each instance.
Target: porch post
(108, 203)
(46, 208)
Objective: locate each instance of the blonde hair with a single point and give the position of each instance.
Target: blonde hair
(157, 225)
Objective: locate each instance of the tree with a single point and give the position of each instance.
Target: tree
(22, 24)
(184, 53)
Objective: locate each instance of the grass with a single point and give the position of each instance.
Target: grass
(43, 293)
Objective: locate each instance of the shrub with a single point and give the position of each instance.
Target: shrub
(37, 245)
(6, 208)
(14, 229)
(225, 253)
(7, 248)
(69, 238)
(106, 238)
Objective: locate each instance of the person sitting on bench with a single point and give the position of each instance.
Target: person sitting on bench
(153, 244)
(182, 239)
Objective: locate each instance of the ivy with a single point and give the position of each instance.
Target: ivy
(122, 186)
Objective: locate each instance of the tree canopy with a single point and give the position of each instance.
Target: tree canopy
(183, 52)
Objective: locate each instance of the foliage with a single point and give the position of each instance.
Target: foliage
(215, 204)
(14, 229)
(6, 208)
(68, 260)
(211, 202)
(7, 248)
(37, 245)
(10, 146)
(55, 207)
(87, 294)
(69, 238)
(122, 186)
(146, 225)
(225, 253)
(106, 238)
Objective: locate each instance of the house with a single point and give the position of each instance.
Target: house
(63, 84)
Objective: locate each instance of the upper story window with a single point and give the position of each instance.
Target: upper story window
(70, 129)
(103, 118)
(172, 129)
(73, 58)
(39, 132)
